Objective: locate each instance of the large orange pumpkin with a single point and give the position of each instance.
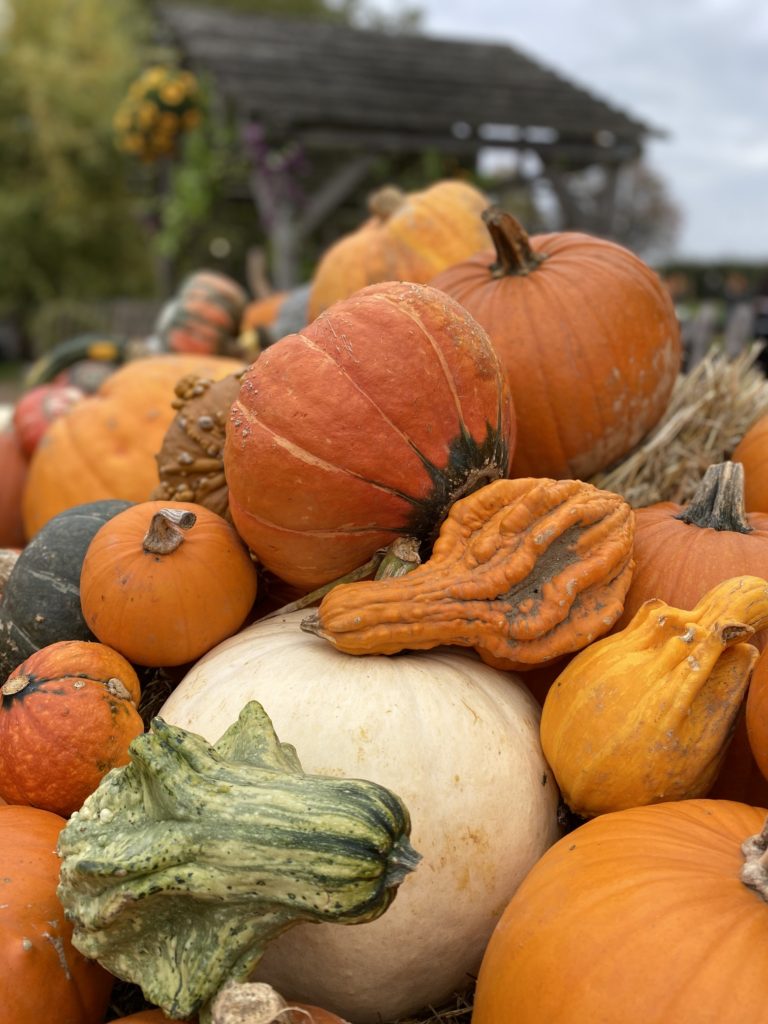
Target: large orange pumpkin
(587, 334)
(407, 237)
(752, 452)
(367, 425)
(67, 716)
(164, 582)
(105, 447)
(637, 917)
(43, 977)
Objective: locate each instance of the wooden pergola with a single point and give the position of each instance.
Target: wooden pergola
(344, 97)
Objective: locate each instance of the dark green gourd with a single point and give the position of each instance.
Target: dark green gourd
(183, 865)
(41, 599)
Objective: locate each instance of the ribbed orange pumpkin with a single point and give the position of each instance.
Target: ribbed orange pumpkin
(44, 978)
(163, 582)
(752, 452)
(637, 917)
(367, 425)
(105, 447)
(587, 334)
(67, 716)
(407, 237)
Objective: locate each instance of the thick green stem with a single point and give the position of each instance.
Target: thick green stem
(718, 502)
(514, 253)
(386, 201)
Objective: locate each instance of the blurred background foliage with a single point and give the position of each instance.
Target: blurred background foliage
(78, 219)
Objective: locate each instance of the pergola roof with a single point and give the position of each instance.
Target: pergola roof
(332, 86)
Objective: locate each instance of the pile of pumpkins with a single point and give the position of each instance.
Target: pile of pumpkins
(443, 714)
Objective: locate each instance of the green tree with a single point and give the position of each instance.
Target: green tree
(66, 226)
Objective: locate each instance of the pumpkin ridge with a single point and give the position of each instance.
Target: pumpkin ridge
(583, 357)
(524, 299)
(449, 378)
(303, 531)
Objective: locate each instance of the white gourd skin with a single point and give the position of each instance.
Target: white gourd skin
(456, 740)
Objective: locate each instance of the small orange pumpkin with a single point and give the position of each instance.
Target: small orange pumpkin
(164, 582)
(710, 539)
(67, 716)
(44, 978)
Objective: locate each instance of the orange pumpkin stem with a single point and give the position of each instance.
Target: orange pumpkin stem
(514, 253)
(754, 874)
(718, 502)
(385, 201)
(165, 531)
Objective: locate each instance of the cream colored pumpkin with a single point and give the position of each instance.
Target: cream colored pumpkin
(456, 739)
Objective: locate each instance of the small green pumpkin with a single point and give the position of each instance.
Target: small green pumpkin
(41, 599)
(184, 864)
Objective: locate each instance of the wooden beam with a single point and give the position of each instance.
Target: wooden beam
(332, 193)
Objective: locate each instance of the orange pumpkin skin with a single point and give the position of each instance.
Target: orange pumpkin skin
(367, 425)
(44, 978)
(407, 237)
(589, 339)
(67, 716)
(637, 917)
(105, 446)
(165, 608)
(752, 452)
(13, 473)
(707, 550)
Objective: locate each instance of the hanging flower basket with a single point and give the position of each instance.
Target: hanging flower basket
(159, 107)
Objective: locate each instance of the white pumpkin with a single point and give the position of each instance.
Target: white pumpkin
(457, 740)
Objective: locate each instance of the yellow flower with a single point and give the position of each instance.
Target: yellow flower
(172, 93)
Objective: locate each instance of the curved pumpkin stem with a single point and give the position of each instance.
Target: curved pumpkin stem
(718, 502)
(754, 873)
(514, 253)
(386, 201)
(165, 531)
(399, 558)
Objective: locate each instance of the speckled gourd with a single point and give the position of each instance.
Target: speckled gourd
(183, 865)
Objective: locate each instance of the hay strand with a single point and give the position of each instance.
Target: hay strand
(709, 412)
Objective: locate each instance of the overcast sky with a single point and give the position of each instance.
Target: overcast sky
(695, 68)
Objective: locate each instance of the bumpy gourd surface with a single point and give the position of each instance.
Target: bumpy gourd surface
(183, 865)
